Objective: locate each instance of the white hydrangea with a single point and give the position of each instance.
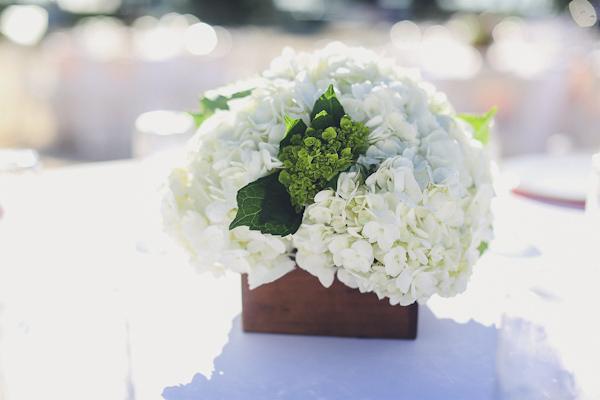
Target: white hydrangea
(410, 230)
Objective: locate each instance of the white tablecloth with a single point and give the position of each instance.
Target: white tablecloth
(94, 304)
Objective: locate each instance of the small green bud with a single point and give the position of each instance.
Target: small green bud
(303, 153)
(288, 164)
(329, 134)
(285, 178)
(346, 122)
(310, 141)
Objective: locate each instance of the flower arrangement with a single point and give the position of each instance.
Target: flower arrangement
(338, 162)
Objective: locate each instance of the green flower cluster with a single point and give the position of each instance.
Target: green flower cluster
(313, 159)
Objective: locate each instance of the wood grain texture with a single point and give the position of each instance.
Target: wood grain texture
(298, 304)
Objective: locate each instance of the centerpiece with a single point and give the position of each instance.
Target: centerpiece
(334, 174)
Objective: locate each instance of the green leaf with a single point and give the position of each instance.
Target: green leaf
(345, 167)
(294, 127)
(333, 183)
(264, 205)
(322, 121)
(199, 118)
(482, 248)
(209, 106)
(330, 103)
(480, 123)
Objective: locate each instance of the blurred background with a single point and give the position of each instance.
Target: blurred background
(76, 74)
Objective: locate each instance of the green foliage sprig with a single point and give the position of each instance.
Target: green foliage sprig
(208, 106)
(480, 123)
(481, 131)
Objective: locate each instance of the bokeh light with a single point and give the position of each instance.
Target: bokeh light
(224, 42)
(24, 24)
(302, 10)
(464, 27)
(164, 122)
(89, 6)
(405, 35)
(200, 39)
(445, 57)
(102, 38)
(583, 13)
(161, 39)
(514, 52)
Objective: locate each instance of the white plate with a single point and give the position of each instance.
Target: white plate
(562, 179)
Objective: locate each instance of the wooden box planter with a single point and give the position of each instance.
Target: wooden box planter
(298, 304)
